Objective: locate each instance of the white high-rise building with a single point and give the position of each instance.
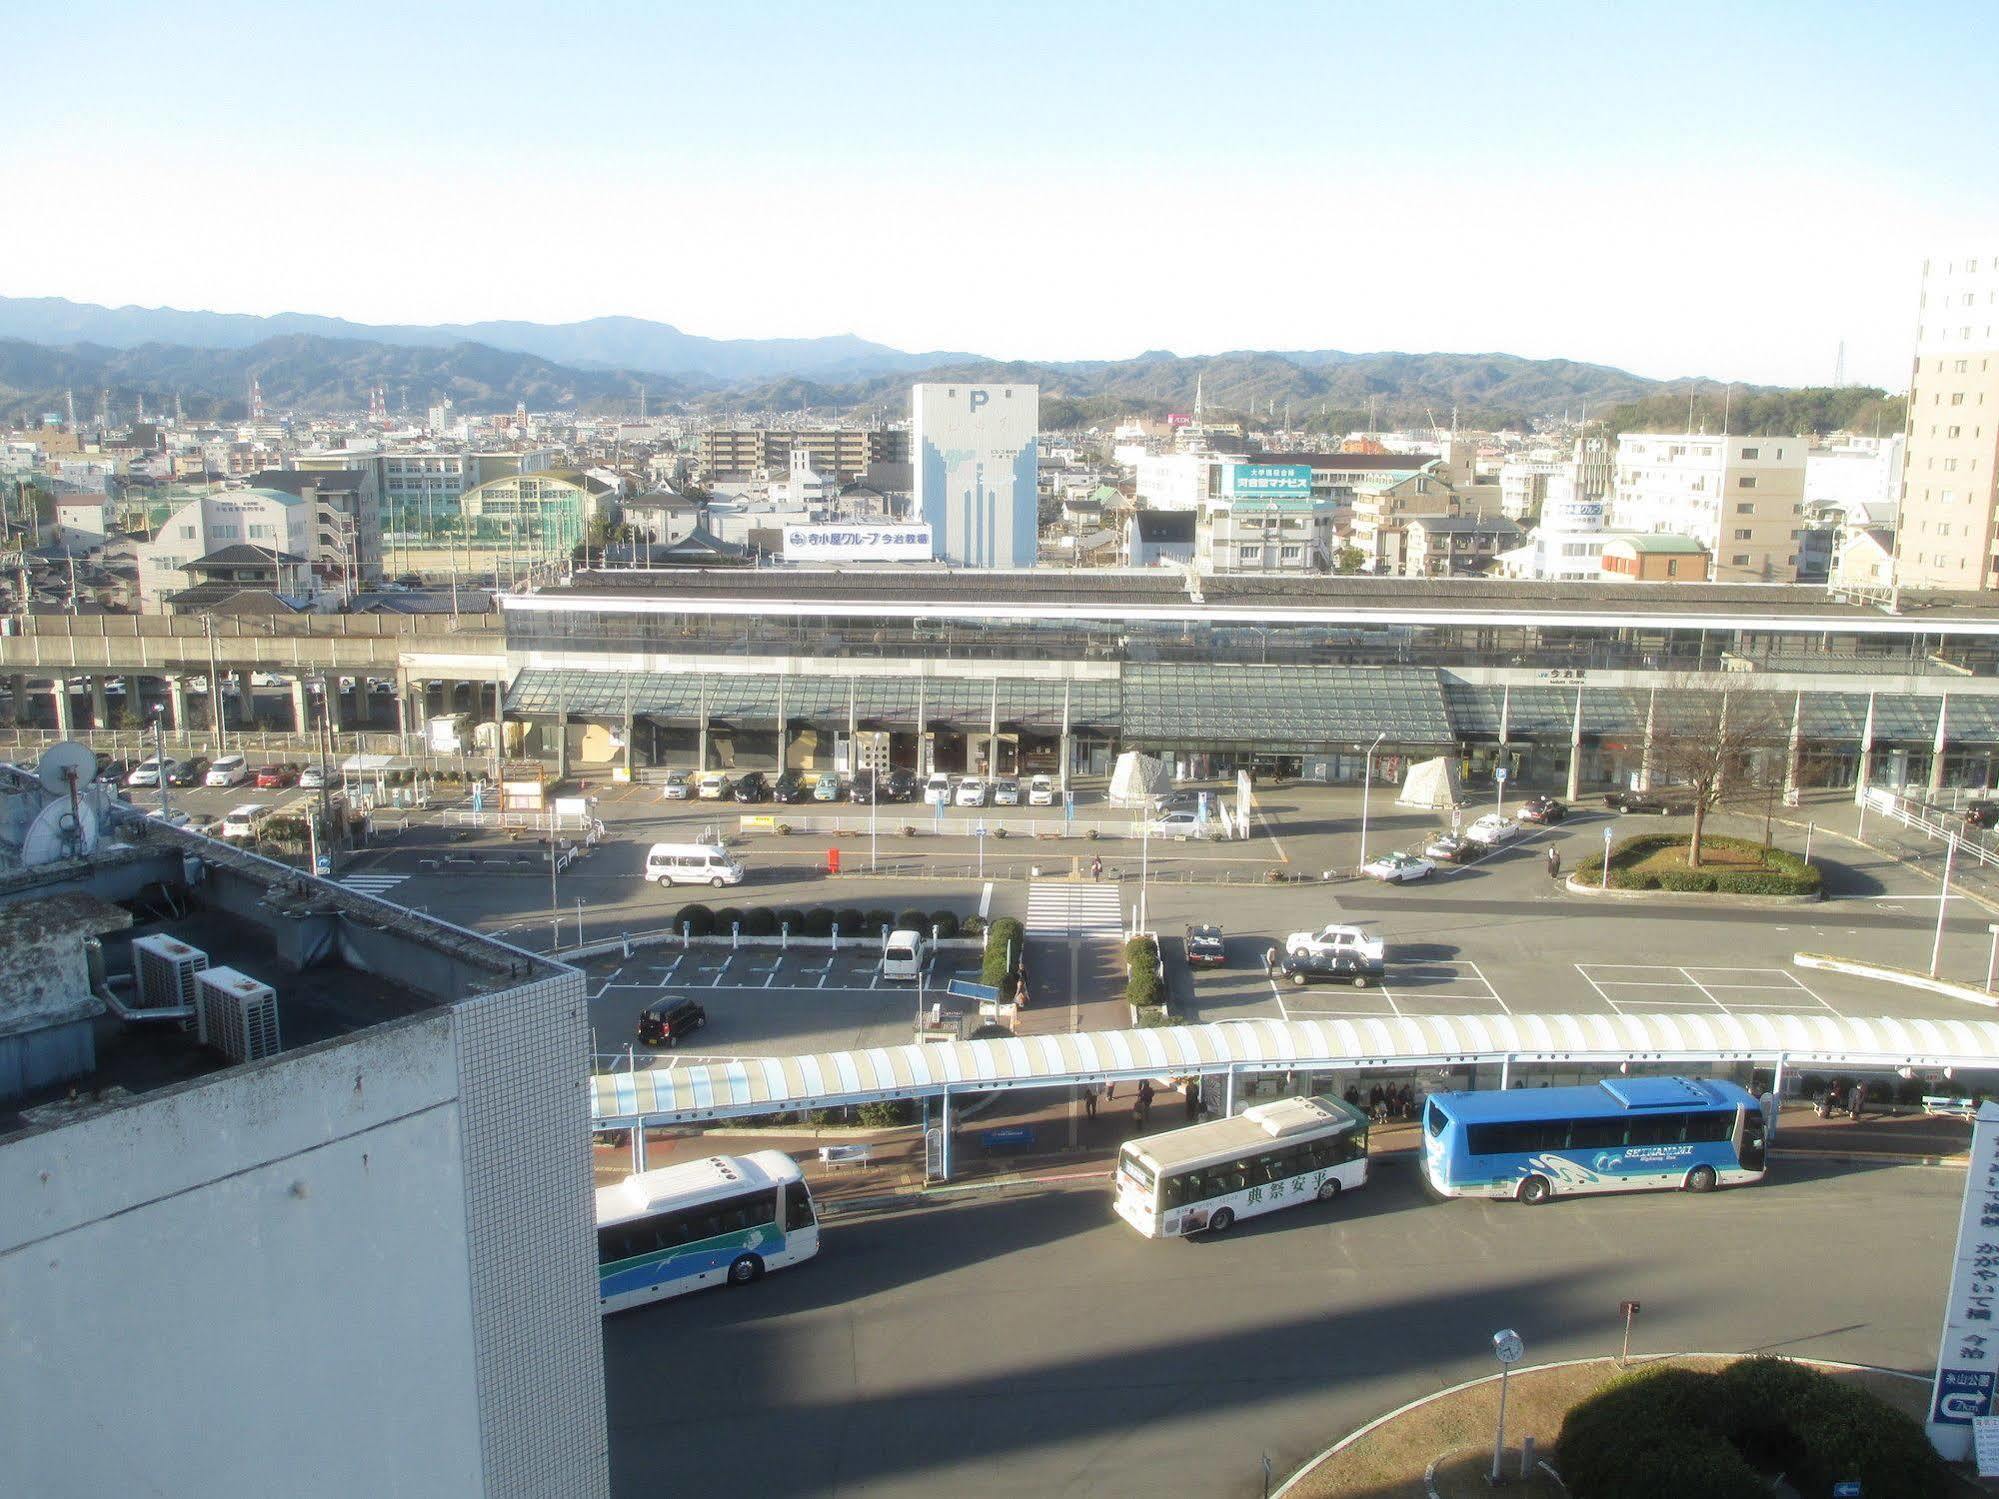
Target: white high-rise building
(1950, 483)
(976, 471)
(1740, 497)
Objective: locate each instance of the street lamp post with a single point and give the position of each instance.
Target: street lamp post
(1366, 790)
(1144, 870)
(1943, 904)
(160, 759)
(1606, 858)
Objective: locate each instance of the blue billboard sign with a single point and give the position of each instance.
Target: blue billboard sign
(1269, 480)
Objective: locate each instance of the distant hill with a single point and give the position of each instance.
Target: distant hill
(1765, 413)
(602, 343)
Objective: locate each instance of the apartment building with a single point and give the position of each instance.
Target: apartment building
(1451, 546)
(1948, 492)
(1266, 535)
(743, 452)
(1383, 509)
(1742, 498)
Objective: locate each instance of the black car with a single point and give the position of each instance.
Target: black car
(753, 786)
(1658, 802)
(189, 772)
(900, 786)
(114, 771)
(788, 788)
(665, 1022)
(865, 788)
(1542, 809)
(1303, 968)
(1205, 946)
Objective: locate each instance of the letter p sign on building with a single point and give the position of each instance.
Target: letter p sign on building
(977, 398)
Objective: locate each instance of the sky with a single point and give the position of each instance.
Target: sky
(1721, 190)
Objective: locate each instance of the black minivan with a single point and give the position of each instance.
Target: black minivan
(665, 1021)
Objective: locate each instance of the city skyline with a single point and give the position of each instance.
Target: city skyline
(1737, 207)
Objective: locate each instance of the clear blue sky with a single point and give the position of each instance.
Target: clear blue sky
(1713, 189)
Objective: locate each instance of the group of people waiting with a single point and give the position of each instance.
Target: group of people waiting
(1384, 1104)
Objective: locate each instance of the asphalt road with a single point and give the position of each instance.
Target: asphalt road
(1038, 1346)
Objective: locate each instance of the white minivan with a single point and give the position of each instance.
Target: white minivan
(691, 864)
(230, 770)
(245, 821)
(903, 954)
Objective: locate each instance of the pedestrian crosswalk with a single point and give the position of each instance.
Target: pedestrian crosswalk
(371, 884)
(1074, 910)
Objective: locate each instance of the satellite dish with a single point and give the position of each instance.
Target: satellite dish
(58, 832)
(67, 756)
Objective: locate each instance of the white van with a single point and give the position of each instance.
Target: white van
(245, 821)
(230, 770)
(691, 864)
(903, 954)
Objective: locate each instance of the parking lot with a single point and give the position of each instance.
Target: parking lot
(765, 1001)
(1626, 987)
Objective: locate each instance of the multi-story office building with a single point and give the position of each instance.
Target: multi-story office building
(265, 518)
(976, 471)
(310, 1168)
(1742, 498)
(743, 452)
(1950, 482)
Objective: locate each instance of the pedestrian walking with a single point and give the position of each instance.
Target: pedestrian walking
(1554, 864)
(1090, 1103)
(1859, 1101)
(1270, 962)
(1097, 867)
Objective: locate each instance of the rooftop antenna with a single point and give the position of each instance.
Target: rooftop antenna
(1727, 393)
(1839, 367)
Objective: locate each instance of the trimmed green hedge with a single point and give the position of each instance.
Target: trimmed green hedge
(696, 919)
(1784, 874)
(946, 923)
(913, 920)
(727, 919)
(1006, 946)
(1675, 1433)
(759, 921)
(1143, 987)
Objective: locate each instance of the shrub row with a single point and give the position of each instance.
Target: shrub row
(1143, 986)
(815, 921)
(1006, 948)
(1784, 873)
(1673, 1432)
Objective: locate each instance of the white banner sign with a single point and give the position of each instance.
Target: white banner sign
(1970, 1348)
(874, 543)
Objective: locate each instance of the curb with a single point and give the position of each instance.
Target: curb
(1567, 1363)
(1888, 973)
(1964, 893)
(1688, 897)
(1873, 1158)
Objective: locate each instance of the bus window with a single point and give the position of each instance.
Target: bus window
(797, 1207)
(1596, 1134)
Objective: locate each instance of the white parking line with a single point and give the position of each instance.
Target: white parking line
(1503, 1008)
(1583, 969)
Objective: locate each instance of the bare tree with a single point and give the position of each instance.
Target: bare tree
(1721, 749)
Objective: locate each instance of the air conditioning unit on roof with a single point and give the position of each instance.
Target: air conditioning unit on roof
(239, 1016)
(166, 969)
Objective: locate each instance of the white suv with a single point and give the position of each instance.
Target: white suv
(230, 770)
(1041, 791)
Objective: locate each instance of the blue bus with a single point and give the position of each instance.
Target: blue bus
(1625, 1134)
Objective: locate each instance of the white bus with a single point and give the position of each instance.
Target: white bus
(1206, 1176)
(724, 1219)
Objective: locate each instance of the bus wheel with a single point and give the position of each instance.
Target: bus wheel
(745, 1268)
(1222, 1221)
(1328, 1189)
(1535, 1190)
(1701, 1179)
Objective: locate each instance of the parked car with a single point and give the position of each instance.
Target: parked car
(1357, 942)
(113, 772)
(678, 786)
(1398, 869)
(1448, 848)
(148, 772)
(900, 786)
(826, 788)
(937, 790)
(1205, 947)
(189, 772)
(1006, 793)
(666, 1022)
(173, 817)
(752, 786)
(865, 790)
(1981, 814)
(313, 777)
(1333, 967)
(971, 792)
(1041, 791)
(272, 776)
(788, 788)
(713, 786)
(1179, 823)
(245, 821)
(1541, 809)
(1492, 830)
(227, 770)
(1662, 803)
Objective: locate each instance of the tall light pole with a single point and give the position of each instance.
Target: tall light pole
(1144, 870)
(1943, 903)
(1507, 1348)
(160, 757)
(1366, 790)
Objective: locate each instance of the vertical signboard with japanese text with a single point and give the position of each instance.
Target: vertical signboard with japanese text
(1970, 1346)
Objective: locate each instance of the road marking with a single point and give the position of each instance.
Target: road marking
(1584, 970)
(370, 884)
(770, 978)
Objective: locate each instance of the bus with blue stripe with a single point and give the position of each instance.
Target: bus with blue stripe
(722, 1220)
(1625, 1134)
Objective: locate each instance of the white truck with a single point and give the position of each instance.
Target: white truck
(449, 734)
(1352, 941)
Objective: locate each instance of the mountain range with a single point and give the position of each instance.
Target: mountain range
(319, 364)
